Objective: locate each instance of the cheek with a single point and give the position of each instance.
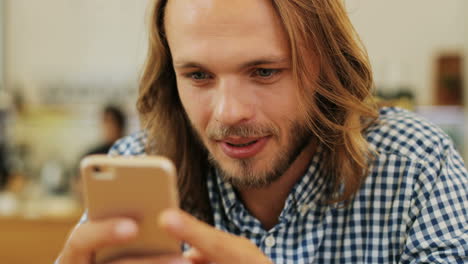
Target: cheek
(283, 104)
(196, 106)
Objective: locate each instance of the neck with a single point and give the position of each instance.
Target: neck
(266, 203)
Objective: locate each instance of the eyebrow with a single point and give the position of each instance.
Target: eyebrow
(256, 62)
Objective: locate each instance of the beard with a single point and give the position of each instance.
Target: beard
(244, 176)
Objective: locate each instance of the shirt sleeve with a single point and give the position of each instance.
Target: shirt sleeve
(132, 145)
(439, 231)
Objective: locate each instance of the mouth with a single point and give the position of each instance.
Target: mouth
(243, 148)
(242, 145)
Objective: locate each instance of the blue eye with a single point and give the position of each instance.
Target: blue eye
(265, 73)
(198, 75)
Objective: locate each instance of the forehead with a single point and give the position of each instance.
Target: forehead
(224, 28)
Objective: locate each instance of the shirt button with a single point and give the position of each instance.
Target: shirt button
(304, 208)
(270, 241)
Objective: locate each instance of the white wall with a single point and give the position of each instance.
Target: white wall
(68, 41)
(403, 37)
(104, 41)
(82, 53)
(2, 18)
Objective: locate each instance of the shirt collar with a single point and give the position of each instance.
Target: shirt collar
(304, 196)
(307, 192)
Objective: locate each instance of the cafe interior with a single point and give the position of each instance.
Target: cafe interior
(69, 75)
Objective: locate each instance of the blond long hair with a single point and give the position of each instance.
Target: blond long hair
(336, 99)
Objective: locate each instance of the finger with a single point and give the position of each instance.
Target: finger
(215, 245)
(93, 235)
(195, 256)
(167, 259)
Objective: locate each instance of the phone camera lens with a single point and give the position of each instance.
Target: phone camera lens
(96, 169)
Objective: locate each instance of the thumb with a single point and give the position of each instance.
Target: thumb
(195, 256)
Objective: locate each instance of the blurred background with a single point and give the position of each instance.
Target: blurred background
(68, 84)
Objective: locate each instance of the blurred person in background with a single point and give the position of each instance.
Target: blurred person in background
(4, 168)
(4, 163)
(13, 145)
(113, 126)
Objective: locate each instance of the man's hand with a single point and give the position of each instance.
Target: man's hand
(209, 244)
(88, 237)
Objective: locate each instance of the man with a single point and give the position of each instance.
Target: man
(263, 105)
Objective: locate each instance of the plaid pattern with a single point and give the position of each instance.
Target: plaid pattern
(412, 207)
(133, 145)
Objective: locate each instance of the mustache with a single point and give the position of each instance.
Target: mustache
(219, 132)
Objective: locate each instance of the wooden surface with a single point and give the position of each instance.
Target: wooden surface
(38, 241)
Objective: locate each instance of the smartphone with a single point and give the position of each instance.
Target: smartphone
(136, 187)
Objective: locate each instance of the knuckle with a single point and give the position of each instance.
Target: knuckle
(246, 242)
(79, 238)
(144, 260)
(216, 243)
(75, 244)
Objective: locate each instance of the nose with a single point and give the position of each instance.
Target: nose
(233, 103)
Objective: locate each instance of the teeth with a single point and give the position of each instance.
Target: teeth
(243, 145)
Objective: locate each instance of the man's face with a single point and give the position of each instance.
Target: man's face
(233, 71)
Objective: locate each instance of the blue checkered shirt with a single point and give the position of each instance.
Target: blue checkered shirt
(412, 207)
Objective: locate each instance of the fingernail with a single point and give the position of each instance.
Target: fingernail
(126, 228)
(171, 219)
(181, 261)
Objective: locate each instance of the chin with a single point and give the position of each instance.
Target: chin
(244, 174)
